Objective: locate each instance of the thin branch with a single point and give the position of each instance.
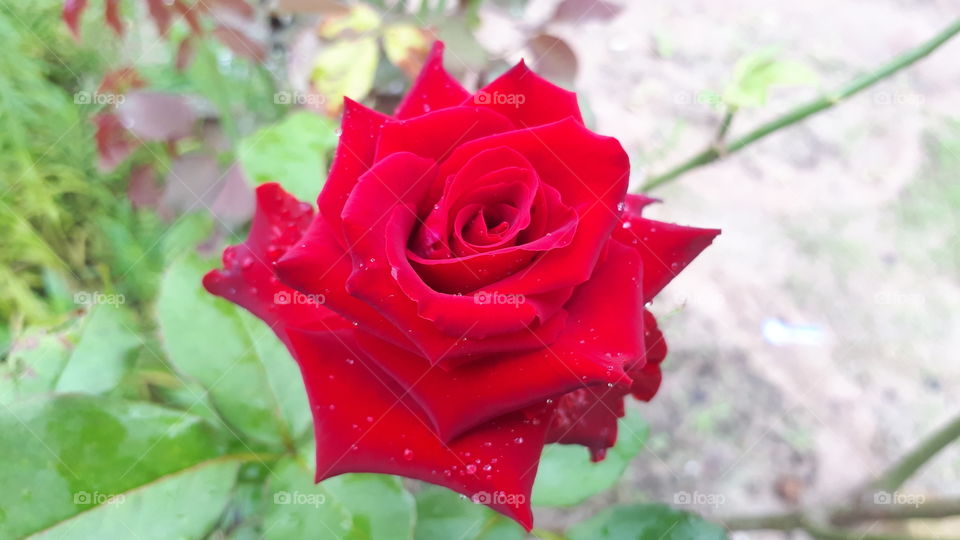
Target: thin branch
(894, 477)
(923, 509)
(800, 113)
(863, 505)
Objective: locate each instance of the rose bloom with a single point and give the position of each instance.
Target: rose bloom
(471, 287)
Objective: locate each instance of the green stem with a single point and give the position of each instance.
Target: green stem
(863, 508)
(546, 535)
(713, 153)
(913, 461)
(897, 512)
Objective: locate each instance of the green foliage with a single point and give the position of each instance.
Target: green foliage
(292, 152)
(645, 522)
(252, 380)
(443, 514)
(567, 477)
(757, 73)
(48, 185)
(68, 454)
(91, 354)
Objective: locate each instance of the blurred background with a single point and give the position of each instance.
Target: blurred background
(811, 345)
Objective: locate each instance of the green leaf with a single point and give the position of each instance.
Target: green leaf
(72, 454)
(100, 359)
(91, 355)
(345, 68)
(298, 508)
(33, 366)
(755, 74)
(251, 378)
(645, 522)
(380, 508)
(442, 514)
(292, 152)
(181, 505)
(567, 477)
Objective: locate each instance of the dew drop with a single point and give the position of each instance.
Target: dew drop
(407, 454)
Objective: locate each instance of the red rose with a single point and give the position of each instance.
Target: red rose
(471, 288)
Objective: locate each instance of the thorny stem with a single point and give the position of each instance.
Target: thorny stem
(716, 151)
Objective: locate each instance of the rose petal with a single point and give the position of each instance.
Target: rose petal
(364, 423)
(589, 417)
(247, 276)
(591, 174)
(360, 129)
(378, 218)
(435, 135)
(434, 88)
(646, 379)
(666, 248)
(459, 399)
(527, 98)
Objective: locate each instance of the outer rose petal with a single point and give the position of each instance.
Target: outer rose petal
(247, 276)
(360, 129)
(459, 399)
(436, 134)
(589, 416)
(363, 423)
(604, 333)
(646, 379)
(434, 88)
(527, 98)
(666, 248)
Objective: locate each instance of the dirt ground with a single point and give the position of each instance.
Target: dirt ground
(842, 233)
